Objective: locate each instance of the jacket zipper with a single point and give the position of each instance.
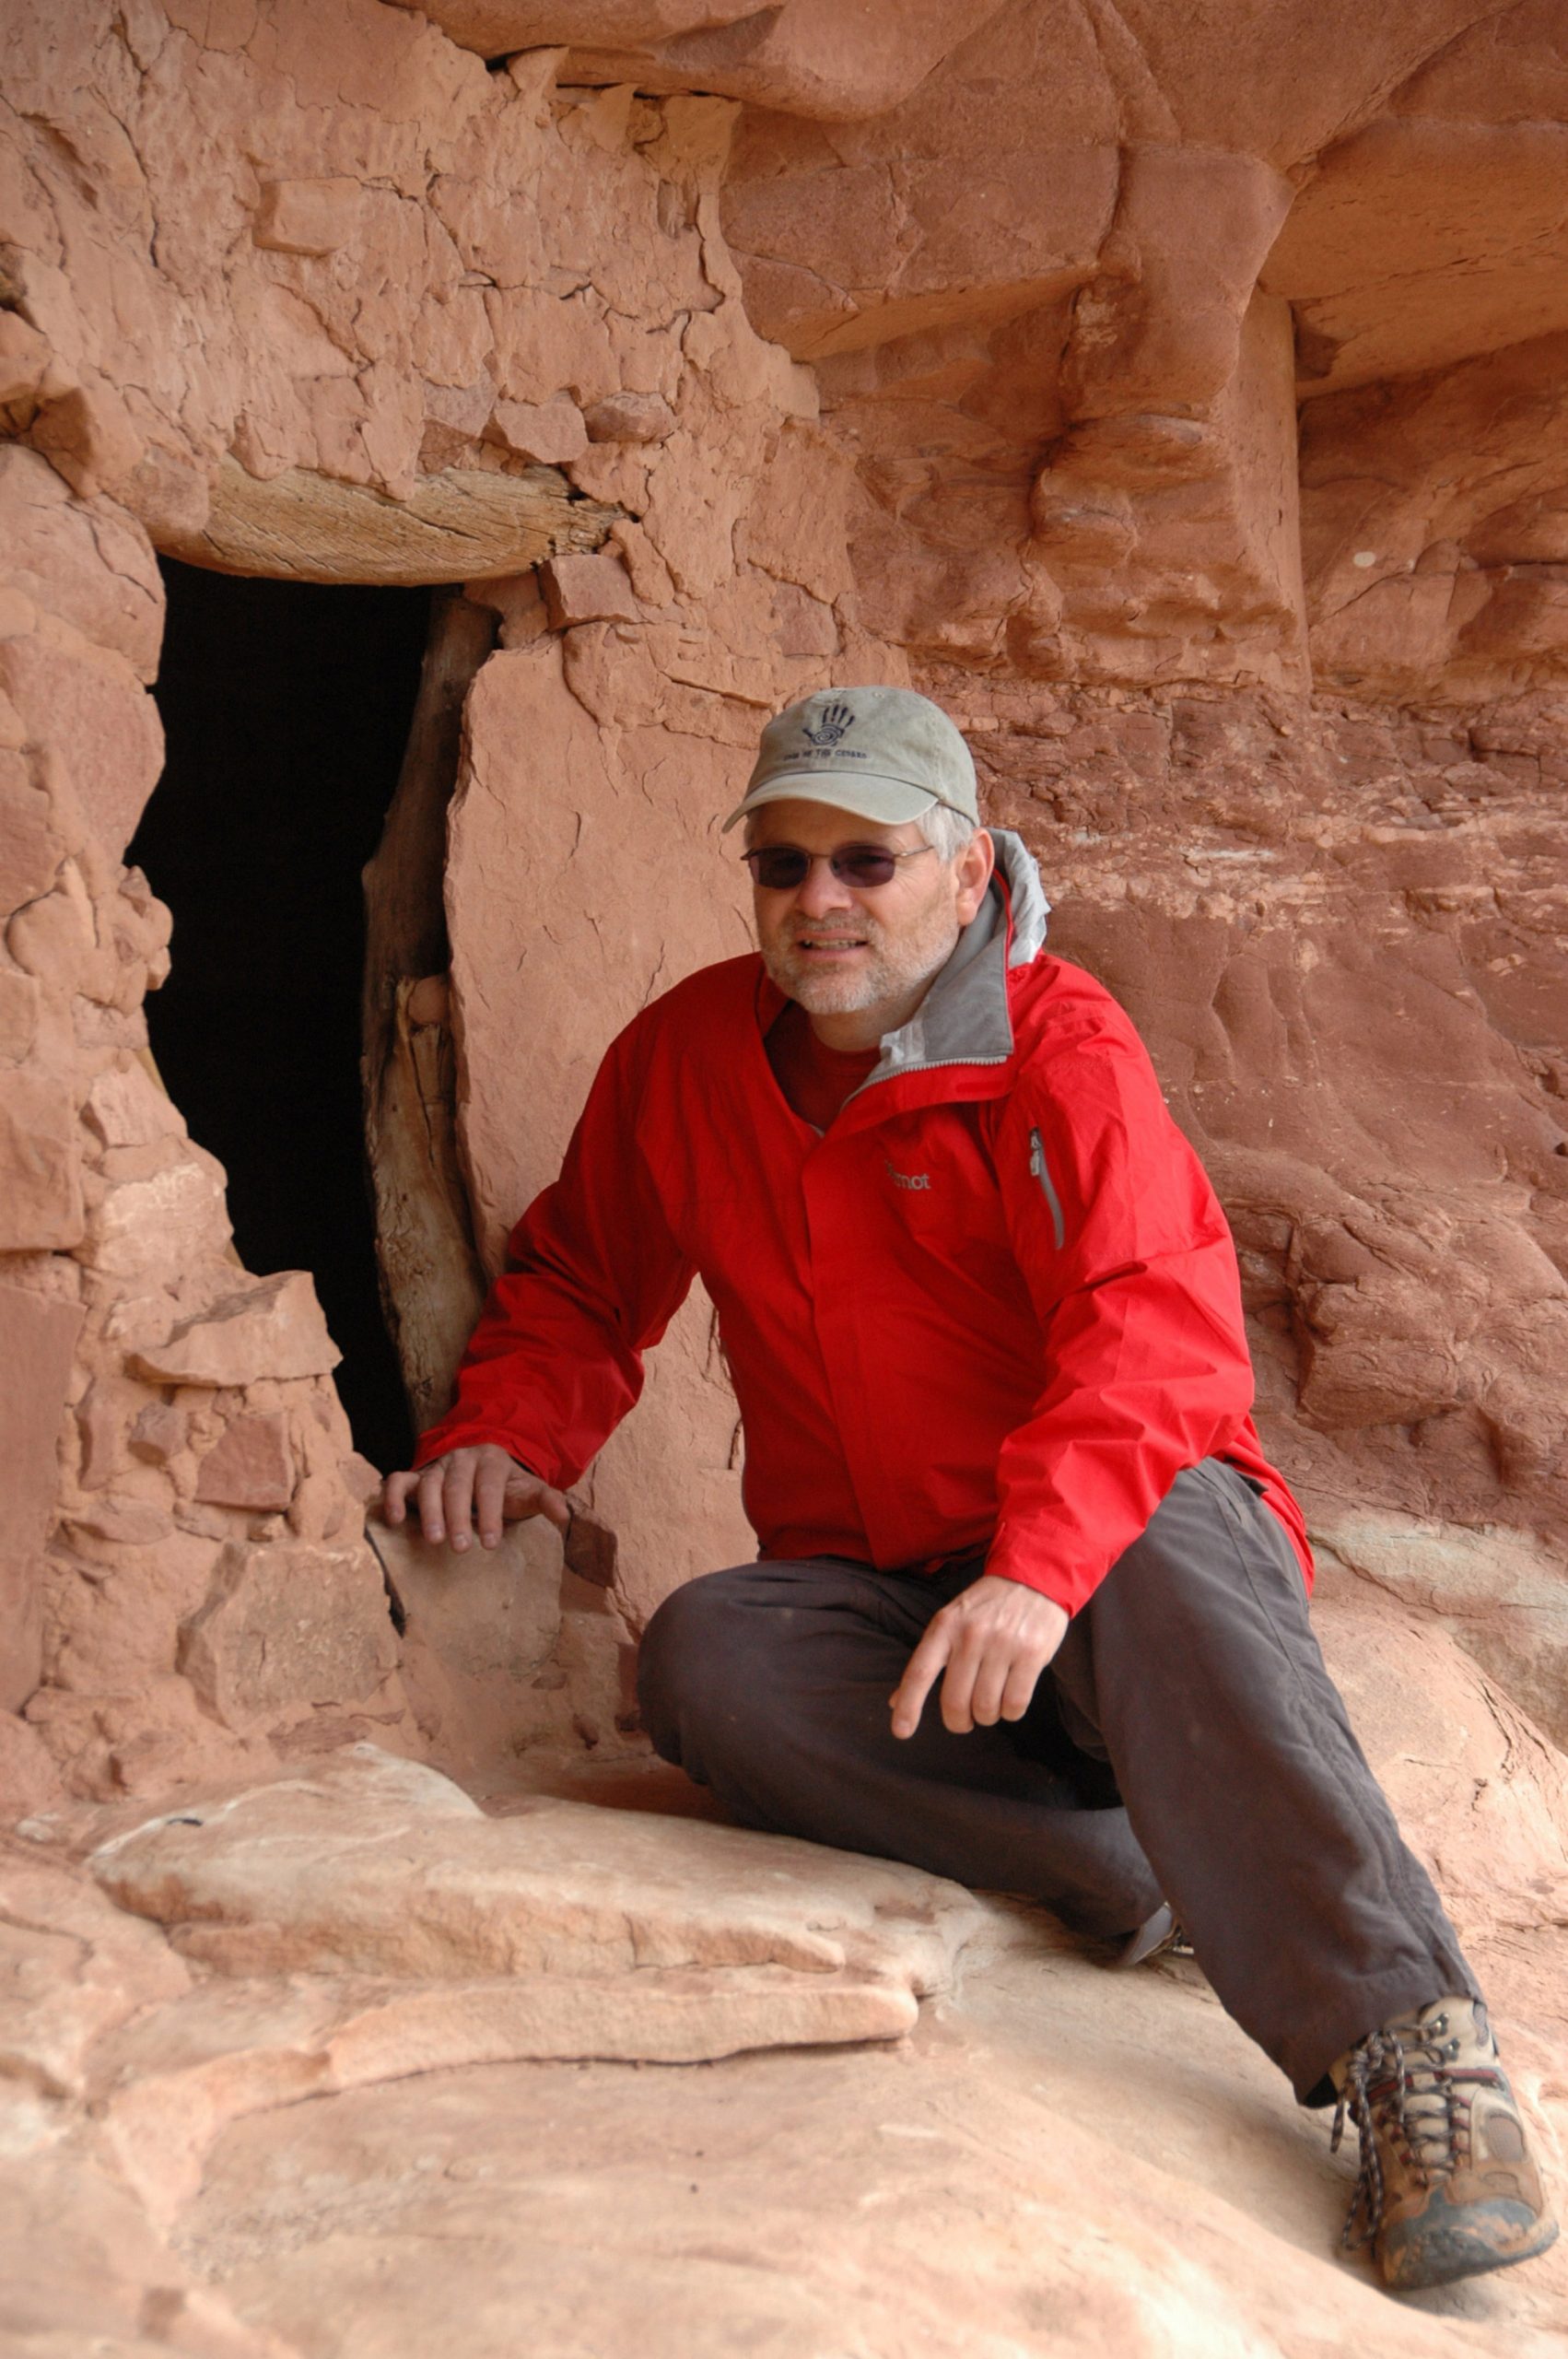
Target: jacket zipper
(1041, 1170)
(927, 1065)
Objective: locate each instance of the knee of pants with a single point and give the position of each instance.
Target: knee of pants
(694, 1659)
(1205, 1535)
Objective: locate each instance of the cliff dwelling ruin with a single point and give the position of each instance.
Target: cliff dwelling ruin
(458, 424)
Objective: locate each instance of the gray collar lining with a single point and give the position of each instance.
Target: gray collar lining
(964, 1018)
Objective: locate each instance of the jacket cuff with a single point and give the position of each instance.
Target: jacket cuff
(440, 1442)
(1013, 1558)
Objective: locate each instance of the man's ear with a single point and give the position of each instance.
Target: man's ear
(973, 868)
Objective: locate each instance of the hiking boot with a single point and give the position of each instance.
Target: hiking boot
(1447, 2187)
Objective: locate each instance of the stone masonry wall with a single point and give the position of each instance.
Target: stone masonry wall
(403, 270)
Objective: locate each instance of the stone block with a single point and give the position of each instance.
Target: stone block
(253, 1466)
(52, 940)
(630, 418)
(29, 1779)
(172, 1219)
(86, 561)
(382, 1866)
(273, 1327)
(101, 1419)
(38, 1340)
(520, 602)
(19, 1016)
(30, 849)
(24, 359)
(127, 1107)
(465, 409)
(41, 1179)
(805, 626)
(159, 1434)
(88, 434)
(123, 1522)
(550, 432)
(588, 590)
(288, 1626)
(360, 1479)
(307, 217)
(88, 705)
(479, 1634)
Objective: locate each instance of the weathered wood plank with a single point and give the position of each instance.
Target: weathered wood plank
(467, 524)
(432, 1284)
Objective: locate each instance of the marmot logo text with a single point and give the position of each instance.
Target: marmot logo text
(908, 1178)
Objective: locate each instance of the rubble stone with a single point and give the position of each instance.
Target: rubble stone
(586, 590)
(549, 431)
(286, 1625)
(270, 1327)
(307, 217)
(253, 1466)
(159, 1433)
(630, 418)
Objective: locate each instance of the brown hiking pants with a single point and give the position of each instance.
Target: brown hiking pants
(1187, 1743)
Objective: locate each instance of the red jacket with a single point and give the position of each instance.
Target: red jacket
(995, 1305)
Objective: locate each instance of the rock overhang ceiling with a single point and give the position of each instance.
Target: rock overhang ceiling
(1057, 268)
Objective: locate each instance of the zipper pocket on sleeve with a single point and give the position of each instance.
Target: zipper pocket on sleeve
(1041, 1170)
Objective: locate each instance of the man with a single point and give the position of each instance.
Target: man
(982, 1311)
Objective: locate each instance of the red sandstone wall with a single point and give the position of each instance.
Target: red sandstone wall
(971, 352)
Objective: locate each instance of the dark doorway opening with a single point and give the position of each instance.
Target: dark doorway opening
(286, 707)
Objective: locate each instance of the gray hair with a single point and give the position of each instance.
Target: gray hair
(947, 830)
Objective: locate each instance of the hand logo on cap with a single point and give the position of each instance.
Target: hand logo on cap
(837, 721)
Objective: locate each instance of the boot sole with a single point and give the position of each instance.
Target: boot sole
(1443, 2256)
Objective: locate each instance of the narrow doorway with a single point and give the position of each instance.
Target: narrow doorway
(286, 707)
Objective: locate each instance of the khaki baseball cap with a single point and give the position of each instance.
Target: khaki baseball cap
(884, 754)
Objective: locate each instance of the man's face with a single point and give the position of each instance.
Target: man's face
(839, 950)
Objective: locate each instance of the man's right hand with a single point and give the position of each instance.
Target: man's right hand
(483, 1485)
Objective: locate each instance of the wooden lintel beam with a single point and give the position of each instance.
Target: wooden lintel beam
(467, 524)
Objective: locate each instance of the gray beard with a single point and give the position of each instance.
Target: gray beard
(888, 977)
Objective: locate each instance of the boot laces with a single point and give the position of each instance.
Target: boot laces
(1401, 2088)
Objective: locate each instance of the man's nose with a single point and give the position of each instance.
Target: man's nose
(821, 890)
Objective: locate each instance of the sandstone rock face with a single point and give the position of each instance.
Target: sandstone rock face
(1402, 1248)
(903, 2084)
(820, 58)
(74, 1969)
(1421, 583)
(379, 1866)
(413, 1933)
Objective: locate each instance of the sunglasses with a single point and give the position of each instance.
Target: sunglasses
(778, 868)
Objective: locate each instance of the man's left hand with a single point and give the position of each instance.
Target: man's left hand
(991, 1644)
